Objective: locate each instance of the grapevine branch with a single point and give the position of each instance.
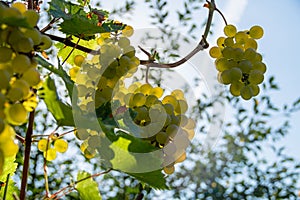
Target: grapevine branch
(28, 139)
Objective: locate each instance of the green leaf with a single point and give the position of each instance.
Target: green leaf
(9, 168)
(134, 157)
(88, 188)
(60, 111)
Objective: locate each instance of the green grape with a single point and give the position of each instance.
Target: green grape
(50, 154)
(255, 89)
(169, 170)
(250, 43)
(260, 66)
(81, 134)
(172, 130)
(225, 77)
(129, 51)
(249, 54)
(43, 145)
(16, 114)
(183, 120)
(181, 107)
(228, 52)
(222, 64)
(2, 125)
(228, 42)
(94, 141)
(21, 63)
(246, 66)
(23, 85)
(138, 99)
(34, 35)
(256, 77)
(258, 57)
(32, 17)
(157, 91)
(60, 145)
(14, 36)
(241, 37)
(10, 148)
(230, 30)
(4, 79)
(215, 52)
(220, 42)
(2, 101)
(151, 100)
(169, 108)
(46, 42)
(11, 12)
(235, 88)
(19, 6)
(157, 113)
(6, 54)
(32, 76)
(15, 94)
(237, 54)
(235, 74)
(169, 99)
(124, 42)
(161, 137)
(246, 92)
(78, 60)
(24, 45)
(256, 32)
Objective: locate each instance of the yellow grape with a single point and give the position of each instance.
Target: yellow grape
(50, 154)
(256, 32)
(215, 52)
(42, 145)
(241, 37)
(145, 89)
(32, 76)
(170, 100)
(20, 6)
(181, 107)
(46, 42)
(60, 145)
(32, 17)
(230, 30)
(9, 148)
(78, 60)
(127, 31)
(7, 134)
(15, 94)
(21, 63)
(178, 94)
(34, 34)
(16, 114)
(220, 42)
(23, 85)
(157, 91)
(250, 43)
(124, 42)
(169, 169)
(181, 158)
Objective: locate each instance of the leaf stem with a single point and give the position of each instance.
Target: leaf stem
(6, 187)
(28, 139)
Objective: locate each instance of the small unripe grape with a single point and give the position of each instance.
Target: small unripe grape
(250, 43)
(241, 37)
(220, 42)
(32, 17)
(170, 100)
(43, 145)
(228, 42)
(230, 30)
(256, 32)
(61, 145)
(157, 91)
(127, 31)
(169, 170)
(50, 154)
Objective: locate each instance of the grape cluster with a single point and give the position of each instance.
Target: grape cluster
(96, 78)
(161, 120)
(238, 62)
(18, 73)
(51, 146)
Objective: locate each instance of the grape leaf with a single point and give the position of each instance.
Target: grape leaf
(88, 188)
(60, 111)
(9, 168)
(134, 157)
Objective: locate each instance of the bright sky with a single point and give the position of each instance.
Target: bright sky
(279, 46)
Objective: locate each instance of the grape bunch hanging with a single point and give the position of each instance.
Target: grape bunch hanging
(238, 62)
